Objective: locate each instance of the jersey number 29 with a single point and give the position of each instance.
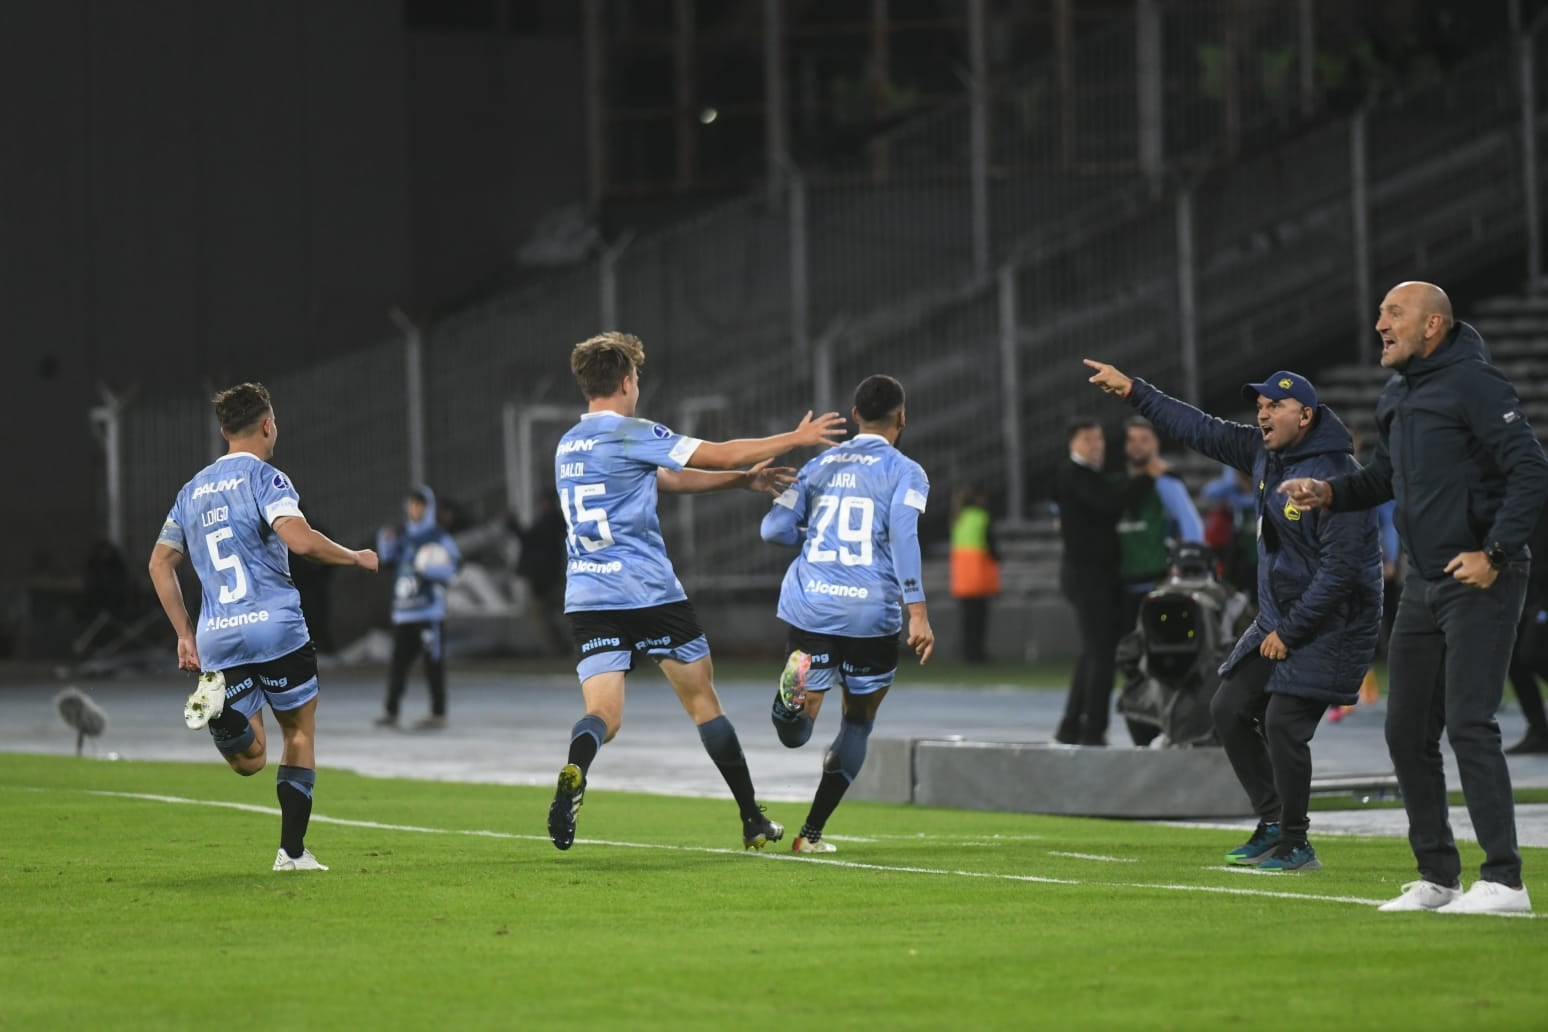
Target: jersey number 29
(227, 562)
(856, 517)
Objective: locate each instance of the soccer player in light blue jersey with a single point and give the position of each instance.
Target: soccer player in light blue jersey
(621, 595)
(854, 510)
(237, 520)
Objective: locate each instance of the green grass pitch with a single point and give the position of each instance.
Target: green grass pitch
(447, 908)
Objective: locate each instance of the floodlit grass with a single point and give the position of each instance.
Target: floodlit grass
(120, 912)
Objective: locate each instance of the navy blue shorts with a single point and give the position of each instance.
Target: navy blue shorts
(286, 683)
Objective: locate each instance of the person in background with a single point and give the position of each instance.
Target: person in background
(975, 570)
(1529, 661)
(1231, 528)
(1089, 507)
(541, 565)
(427, 559)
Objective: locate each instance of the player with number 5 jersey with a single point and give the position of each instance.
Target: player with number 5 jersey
(238, 520)
(854, 511)
(621, 595)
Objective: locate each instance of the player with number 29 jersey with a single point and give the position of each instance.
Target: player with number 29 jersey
(223, 521)
(605, 469)
(859, 504)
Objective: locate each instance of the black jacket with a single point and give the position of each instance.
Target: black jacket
(1456, 452)
(1319, 573)
(1089, 507)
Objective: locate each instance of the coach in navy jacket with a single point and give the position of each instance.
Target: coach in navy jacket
(1319, 596)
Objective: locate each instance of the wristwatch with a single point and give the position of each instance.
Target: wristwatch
(1497, 555)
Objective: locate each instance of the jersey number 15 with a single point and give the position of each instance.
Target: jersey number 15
(585, 514)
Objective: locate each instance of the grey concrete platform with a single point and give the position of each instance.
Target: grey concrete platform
(513, 729)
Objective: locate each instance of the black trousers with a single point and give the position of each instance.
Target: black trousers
(1098, 607)
(1267, 737)
(1528, 662)
(975, 629)
(1450, 648)
(409, 640)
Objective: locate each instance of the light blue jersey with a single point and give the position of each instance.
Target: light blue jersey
(605, 470)
(223, 520)
(854, 510)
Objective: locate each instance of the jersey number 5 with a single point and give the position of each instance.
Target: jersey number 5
(582, 514)
(227, 562)
(856, 518)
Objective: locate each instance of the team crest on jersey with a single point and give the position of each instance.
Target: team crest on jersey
(1291, 512)
(280, 483)
(661, 432)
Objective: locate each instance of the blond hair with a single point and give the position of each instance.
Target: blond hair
(600, 363)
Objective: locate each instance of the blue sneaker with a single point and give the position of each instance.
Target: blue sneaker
(1256, 849)
(567, 803)
(1300, 857)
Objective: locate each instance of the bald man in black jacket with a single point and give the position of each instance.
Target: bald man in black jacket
(1089, 507)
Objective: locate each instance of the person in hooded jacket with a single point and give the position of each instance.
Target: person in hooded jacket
(427, 559)
(1319, 599)
(1456, 453)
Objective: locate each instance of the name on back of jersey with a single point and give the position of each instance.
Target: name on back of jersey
(217, 487)
(844, 480)
(219, 514)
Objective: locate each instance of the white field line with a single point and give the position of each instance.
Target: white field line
(1097, 857)
(1217, 890)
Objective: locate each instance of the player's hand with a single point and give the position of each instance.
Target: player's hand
(1472, 569)
(825, 429)
(770, 479)
(1306, 493)
(366, 559)
(188, 654)
(1109, 379)
(1273, 647)
(920, 638)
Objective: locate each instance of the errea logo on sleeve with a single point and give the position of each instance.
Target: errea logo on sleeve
(1512, 416)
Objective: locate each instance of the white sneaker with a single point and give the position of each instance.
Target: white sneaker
(207, 701)
(283, 861)
(1422, 895)
(803, 845)
(1487, 897)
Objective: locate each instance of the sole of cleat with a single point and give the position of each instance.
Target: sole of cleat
(207, 701)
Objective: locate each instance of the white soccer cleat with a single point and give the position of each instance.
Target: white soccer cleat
(283, 861)
(805, 845)
(1422, 895)
(207, 701)
(1487, 897)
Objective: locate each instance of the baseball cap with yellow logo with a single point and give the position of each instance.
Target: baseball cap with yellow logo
(1283, 384)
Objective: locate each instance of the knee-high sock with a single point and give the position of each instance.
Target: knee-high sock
(720, 741)
(293, 785)
(586, 740)
(840, 767)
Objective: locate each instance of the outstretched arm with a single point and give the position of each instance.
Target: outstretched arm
(301, 539)
(762, 477)
(810, 432)
(1235, 444)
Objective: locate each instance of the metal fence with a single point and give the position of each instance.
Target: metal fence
(979, 273)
